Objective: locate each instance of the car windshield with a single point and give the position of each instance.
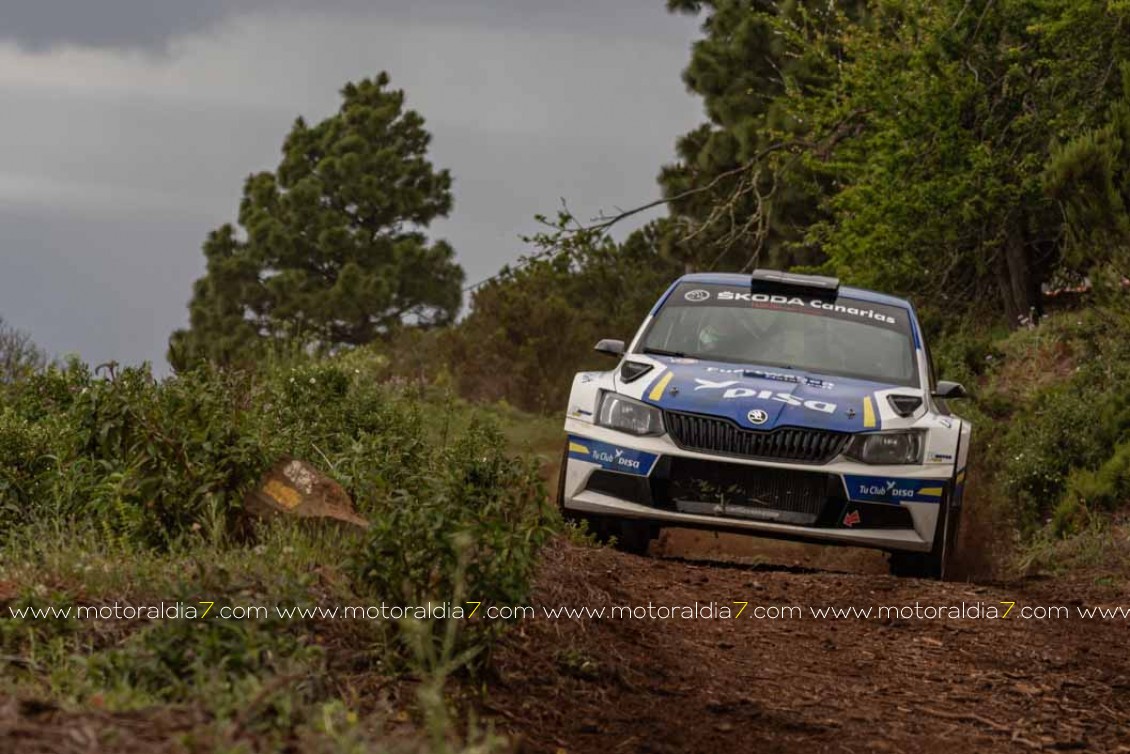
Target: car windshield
(842, 336)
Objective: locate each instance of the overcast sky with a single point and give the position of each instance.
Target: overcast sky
(128, 127)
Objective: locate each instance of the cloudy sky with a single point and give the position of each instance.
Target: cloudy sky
(128, 127)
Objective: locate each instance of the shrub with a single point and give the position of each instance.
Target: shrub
(1054, 413)
(471, 532)
(152, 462)
(177, 660)
(142, 458)
(163, 465)
(25, 450)
(1103, 488)
(1041, 446)
(964, 353)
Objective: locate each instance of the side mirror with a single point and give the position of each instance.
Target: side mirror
(949, 391)
(610, 347)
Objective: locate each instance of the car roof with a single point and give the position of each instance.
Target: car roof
(731, 278)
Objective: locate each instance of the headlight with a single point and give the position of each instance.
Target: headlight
(627, 415)
(887, 448)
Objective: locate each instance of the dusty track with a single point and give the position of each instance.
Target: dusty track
(792, 685)
(806, 684)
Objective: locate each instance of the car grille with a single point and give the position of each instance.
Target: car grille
(737, 490)
(714, 435)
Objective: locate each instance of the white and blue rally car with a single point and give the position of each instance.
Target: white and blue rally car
(773, 404)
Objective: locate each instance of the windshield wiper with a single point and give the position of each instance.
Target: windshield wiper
(662, 352)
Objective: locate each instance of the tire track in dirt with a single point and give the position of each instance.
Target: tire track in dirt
(806, 684)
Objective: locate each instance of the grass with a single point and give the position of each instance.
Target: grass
(268, 683)
(260, 684)
(1101, 548)
(525, 433)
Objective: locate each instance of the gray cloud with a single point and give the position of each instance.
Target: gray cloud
(151, 24)
(96, 285)
(106, 23)
(114, 163)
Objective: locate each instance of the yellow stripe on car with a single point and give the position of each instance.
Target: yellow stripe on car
(868, 413)
(931, 491)
(575, 447)
(657, 391)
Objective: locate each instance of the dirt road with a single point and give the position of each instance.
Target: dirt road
(808, 684)
(797, 684)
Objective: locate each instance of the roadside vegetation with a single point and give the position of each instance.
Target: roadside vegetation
(122, 490)
(1053, 433)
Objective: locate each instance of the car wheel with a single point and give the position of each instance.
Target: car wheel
(627, 535)
(915, 565)
(933, 564)
(596, 526)
(635, 536)
(561, 480)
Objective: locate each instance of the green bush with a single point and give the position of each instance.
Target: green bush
(471, 532)
(25, 450)
(141, 458)
(964, 353)
(152, 461)
(1054, 413)
(175, 660)
(161, 465)
(1043, 444)
(156, 464)
(1103, 488)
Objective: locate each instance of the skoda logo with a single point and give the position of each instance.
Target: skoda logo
(696, 295)
(757, 416)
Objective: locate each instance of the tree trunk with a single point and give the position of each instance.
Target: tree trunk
(1020, 292)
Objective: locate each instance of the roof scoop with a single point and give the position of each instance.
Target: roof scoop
(790, 283)
(904, 405)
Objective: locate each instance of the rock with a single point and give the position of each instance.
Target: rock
(296, 488)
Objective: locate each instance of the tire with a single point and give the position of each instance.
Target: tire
(561, 480)
(626, 535)
(933, 564)
(915, 565)
(635, 536)
(594, 526)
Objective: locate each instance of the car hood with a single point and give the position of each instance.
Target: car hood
(763, 398)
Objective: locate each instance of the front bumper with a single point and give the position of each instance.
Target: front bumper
(842, 502)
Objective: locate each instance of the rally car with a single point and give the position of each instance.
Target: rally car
(773, 404)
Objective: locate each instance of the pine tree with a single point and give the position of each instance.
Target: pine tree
(746, 70)
(1090, 177)
(331, 250)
